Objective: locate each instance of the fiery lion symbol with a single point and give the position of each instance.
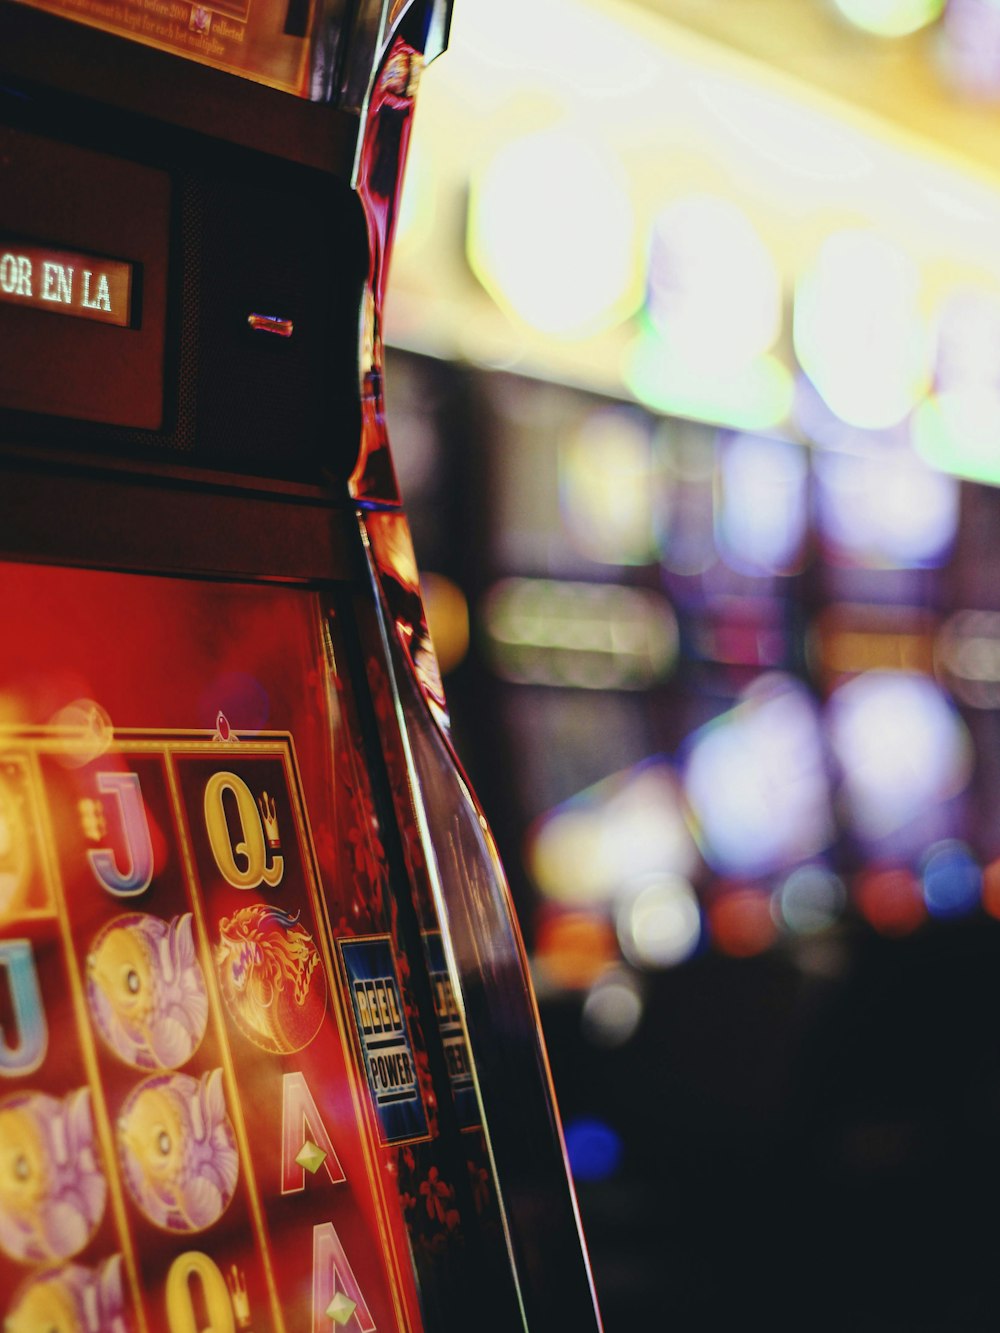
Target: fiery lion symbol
(272, 978)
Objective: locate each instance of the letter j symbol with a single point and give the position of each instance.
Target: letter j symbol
(137, 874)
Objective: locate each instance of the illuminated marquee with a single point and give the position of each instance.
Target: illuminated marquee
(66, 282)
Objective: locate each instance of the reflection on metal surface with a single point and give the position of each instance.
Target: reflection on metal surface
(281, 328)
(488, 971)
(382, 156)
(391, 546)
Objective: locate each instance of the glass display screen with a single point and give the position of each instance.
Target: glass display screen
(215, 1105)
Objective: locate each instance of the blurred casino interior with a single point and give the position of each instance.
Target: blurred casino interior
(694, 389)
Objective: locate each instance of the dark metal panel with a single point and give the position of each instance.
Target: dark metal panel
(129, 522)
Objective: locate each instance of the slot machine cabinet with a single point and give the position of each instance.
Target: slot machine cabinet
(269, 1056)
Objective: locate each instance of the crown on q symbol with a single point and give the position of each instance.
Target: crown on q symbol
(270, 816)
(237, 1284)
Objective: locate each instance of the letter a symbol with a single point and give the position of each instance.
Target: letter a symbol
(305, 1142)
(337, 1298)
(17, 964)
(137, 875)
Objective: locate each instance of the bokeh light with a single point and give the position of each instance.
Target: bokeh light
(957, 431)
(885, 508)
(810, 900)
(903, 751)
(552, 234)
(447, 614)
(859, 331)
(714, 292)
(687, 539)
(756, 396)
(593, 636)
(968, 339)
(756, 782)
(952, 880)
(741, 922)
(606, 488)
(594, 1149)
(613, 1008)
(761, 504)
(991, 888)
(891, 18)
(972, 46)
(968, 657)
(889, 898)
(572, 948)
(848, 638)
(615, 836)
(661, 925)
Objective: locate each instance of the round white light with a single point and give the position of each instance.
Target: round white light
(859, 333)
(661, 925)
(714, 290)
(552, 234)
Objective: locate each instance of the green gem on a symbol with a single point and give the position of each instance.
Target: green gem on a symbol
(341, 1308)
(311, 1157)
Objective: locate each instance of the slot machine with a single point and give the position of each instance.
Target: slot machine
(269, 1054)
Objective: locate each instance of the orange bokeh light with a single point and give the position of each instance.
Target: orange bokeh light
(574, 948)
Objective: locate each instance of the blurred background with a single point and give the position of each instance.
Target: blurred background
(694, 390)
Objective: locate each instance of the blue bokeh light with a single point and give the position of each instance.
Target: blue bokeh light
(595, 1150)
(952, 880)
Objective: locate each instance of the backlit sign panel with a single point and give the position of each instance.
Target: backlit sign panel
(66, 282)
